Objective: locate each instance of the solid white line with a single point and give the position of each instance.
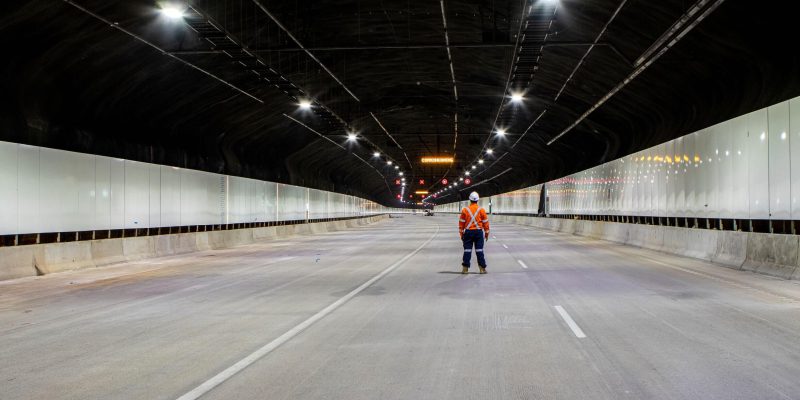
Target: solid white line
(572, 325)
(221, 377)
(504, 246)
(522, 264)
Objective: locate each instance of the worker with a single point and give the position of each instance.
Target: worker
(473, 226)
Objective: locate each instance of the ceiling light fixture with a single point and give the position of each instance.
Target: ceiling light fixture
(351, 137)
(516, 97)
(376, 154)
(172, 12)
(489, 151)
(305, 105)
(480, 161)
(501, 132)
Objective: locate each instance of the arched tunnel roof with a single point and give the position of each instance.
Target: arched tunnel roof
(218, 88)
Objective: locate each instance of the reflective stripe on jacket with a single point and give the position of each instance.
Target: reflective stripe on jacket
(481, 220)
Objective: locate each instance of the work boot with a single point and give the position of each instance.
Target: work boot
(483, 270)
(464, 270)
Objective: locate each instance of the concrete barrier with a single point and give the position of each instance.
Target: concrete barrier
(58, 257)
(18, 262)
(107, 251)
(31, 260)
(138, 248)
(731, 250)
(774, 255)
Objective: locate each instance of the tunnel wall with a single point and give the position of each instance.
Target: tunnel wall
(47, 190)
(746, 168)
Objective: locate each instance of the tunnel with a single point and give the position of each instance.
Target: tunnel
(367, 199)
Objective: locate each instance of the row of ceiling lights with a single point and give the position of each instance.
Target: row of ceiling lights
(516, 98)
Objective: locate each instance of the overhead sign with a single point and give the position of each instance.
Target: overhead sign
(421, 192)
(437, 160)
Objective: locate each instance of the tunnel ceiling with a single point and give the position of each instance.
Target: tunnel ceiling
(218, 89)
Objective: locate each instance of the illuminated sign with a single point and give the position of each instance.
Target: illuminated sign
(421, 192)
(397, 181)
(422, 181)
(437, 160)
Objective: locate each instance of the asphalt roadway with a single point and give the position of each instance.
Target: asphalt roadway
(382, 312)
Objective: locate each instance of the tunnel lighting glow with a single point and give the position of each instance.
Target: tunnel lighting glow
(516, 97)
(401, 174)
(352, 137)
(305, 105)
(480, 161)
(437, 160)
(388, 163)
(501, 132)
(172, 12)
(473, 167)
(396, 167)
(376, 154)
(460, 179)
(489, 151)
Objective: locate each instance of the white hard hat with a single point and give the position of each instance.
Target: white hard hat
(473, 196)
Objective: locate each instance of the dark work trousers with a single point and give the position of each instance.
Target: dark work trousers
(473, 237)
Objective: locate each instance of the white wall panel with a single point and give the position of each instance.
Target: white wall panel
(9, 174)
(740, 197)
(28, 190)
(758, 166)
(292, 203)
(116, 179)
(137, 195)
(102, 188)
(170, 196)
(725, 137)
(794, 128)
(780, 190)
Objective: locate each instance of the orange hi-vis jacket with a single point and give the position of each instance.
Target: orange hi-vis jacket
(473, 217)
